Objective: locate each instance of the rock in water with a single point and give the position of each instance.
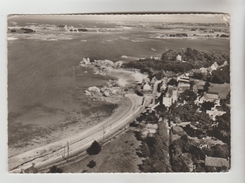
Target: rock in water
(106, 93)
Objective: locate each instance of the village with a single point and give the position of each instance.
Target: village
(183, 91)
(170, 96)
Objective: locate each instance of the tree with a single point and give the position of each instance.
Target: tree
(221, 75)
(198, 75)
(191, 85)
(91, 164)
(179, 165)
(228, 97)
(145, 151)
(207, 105)
(221, 151)
(188, 96)
(94, 149)
(206, 87)
(172, 82)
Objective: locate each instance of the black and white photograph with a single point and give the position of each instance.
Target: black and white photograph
(107, 93)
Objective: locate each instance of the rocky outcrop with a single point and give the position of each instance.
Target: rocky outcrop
(85, 61)
(110, 89)
(94, 89)
(118, 64)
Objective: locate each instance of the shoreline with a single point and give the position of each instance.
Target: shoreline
(46, 148)
(65, 128)
(52, 153)
(61, 135)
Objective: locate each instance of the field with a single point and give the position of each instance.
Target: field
(117, 156)
(221, 89)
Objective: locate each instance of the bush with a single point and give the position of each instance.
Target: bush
(94, 149)
(179, 165)
(172, 82)
(91, 164)
(188, 96)
(207, 105)
(55, 169)
(221, 151)
(145, 151)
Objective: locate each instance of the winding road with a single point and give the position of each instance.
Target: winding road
(53, 153)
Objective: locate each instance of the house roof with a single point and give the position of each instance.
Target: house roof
(211, 95)
(146, 87)
(175, 93)
(183, 84)
(153, 80)
(216, 162)
(184, 80)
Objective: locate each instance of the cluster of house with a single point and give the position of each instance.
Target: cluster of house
(209, 70)
(156, 88)
(160, 87)
(211, 97)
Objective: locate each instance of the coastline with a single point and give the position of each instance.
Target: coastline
(45, 149)
(61, 134)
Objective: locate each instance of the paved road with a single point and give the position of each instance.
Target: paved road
(52, 153)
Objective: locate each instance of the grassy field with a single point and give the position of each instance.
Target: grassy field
(116, 156)
(222, 89)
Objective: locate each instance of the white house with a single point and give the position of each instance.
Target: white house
(182, 86)
(170, 97)
(215, 111)
(183, 78)
(174, 96)
(146, 87)
(178, 58)
(167, 101)
(208, 97)
(153, 80)
(214, 66)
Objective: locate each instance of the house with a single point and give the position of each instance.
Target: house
(178, 58)
(182, 86)
(183, 82)
(146, 87)
(183, 78)
(215, 111)
(153, 80)
(214, 66)
(224, 64)
(203, 70)
(170, 97)
(209, 97)
(217, 162)
(167, 101)
(174, 96)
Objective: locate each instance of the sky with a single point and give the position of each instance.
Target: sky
(193, 18)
